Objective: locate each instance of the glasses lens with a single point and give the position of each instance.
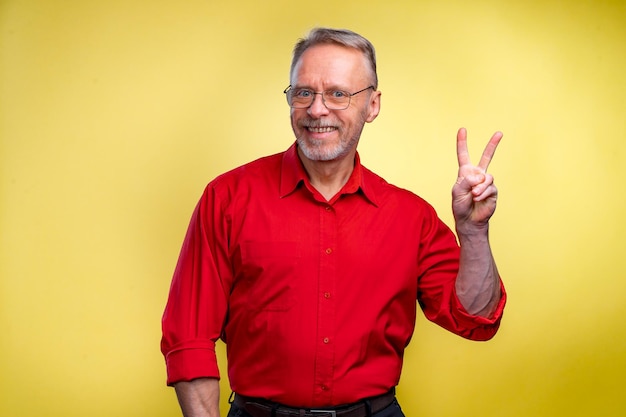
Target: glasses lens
(300, 98)
(336, 99)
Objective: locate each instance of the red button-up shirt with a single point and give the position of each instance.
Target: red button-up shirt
(315, 300)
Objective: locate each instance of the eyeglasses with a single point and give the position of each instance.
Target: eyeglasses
(302, 98)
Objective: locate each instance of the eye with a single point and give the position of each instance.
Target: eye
(338, 94)
(302, 93)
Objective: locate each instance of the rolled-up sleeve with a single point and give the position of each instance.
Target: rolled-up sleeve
(196, 308)
(439, 265)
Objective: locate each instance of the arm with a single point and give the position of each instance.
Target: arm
(199, 397)
(473, 203)
(196, 309)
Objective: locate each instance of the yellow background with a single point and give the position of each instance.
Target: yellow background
(115, 114)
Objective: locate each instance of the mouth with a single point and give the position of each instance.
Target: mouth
(321, 129)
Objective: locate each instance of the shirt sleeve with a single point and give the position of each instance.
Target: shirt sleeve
(439, 266)
(197, 302)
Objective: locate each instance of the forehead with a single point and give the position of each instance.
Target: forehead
(329, 65)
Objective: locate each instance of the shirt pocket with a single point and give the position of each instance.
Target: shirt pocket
(269, 271)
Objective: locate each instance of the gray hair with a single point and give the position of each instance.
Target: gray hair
(342, 37)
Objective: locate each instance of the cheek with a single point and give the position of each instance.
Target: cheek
(352, 122)
(297, 115)
(294, 121)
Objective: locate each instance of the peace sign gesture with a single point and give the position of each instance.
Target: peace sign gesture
(474, 194)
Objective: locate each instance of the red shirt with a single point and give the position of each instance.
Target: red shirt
(315, 300)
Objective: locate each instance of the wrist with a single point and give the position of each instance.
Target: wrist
(471, 229)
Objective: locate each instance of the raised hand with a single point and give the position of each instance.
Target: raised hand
(474, 194)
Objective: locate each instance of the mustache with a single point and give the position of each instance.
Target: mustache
(317, 123)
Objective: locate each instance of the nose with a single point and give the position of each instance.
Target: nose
(317, 108)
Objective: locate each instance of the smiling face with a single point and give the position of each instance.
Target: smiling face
(328, 135)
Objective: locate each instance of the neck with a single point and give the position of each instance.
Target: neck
(328, 177)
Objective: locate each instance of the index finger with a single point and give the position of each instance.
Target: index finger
(489, 151)
(462, 153)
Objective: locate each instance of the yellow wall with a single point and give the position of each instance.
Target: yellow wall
(114, 115)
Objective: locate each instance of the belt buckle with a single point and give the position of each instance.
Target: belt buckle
(332, 413)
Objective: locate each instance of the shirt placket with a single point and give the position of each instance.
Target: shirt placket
(325, 342)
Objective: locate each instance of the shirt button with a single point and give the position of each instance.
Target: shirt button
(329, 251)
(324, 387)
(326, 340)
(326, 295)
(327, 208)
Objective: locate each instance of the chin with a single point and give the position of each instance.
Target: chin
(319, 151)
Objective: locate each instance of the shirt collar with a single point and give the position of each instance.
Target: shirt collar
(293, 174)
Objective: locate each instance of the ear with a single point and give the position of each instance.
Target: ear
(374, 106)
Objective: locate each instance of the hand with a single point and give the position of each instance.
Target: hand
(474, 194)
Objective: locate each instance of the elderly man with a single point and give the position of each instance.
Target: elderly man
(310, 267)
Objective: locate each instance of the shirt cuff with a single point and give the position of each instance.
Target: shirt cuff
(486, 326)
(191, 363)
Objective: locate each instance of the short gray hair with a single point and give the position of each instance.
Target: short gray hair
(342, 37)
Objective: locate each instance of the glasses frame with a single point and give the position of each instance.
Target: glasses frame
(290, 88)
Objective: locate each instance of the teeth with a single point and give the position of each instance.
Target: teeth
(321, 129)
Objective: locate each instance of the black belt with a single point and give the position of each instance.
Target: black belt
(258, 407)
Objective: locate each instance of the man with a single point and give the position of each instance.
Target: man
(309, 266)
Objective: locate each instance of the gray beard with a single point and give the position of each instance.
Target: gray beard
(318, 150)
(315, 150)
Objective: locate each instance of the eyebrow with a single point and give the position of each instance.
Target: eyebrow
(334, 87)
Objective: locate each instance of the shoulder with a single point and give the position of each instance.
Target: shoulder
(386, 193)
(255, 172)
(235, 188)
(406, 210)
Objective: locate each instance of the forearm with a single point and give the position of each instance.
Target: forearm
(478, 281)
(199, 397)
